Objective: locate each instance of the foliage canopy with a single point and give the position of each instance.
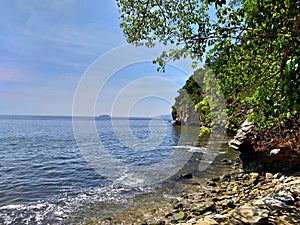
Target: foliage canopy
(253, 47)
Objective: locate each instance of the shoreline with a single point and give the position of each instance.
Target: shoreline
(237, 197)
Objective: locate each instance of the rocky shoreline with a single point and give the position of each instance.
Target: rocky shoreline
(255, 190)
(269, 151)
(237, 197)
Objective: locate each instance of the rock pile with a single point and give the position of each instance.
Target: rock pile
(238, 198)
(238, 142)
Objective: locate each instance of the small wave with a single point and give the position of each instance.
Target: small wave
(130, 179)
(9, 207)
(190, 148)
(59, 209)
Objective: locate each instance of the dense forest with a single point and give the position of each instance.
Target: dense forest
(251, 47)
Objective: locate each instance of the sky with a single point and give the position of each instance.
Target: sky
(48, 48)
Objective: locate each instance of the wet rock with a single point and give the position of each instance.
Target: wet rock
(186, 176)
(184, 195)
(226, 161)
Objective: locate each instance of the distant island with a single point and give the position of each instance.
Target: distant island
(167, 117)
(104, 117)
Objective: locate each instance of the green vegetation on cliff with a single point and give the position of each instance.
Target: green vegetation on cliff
(192, 97)
(252, 46)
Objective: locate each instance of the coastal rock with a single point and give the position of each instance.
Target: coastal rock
(285, 196)
(248, 214)
(178, 205)
(215, 179)
(179, 217)
(275, 204)
(253, 177)
(186, 176)
(188, 117)
(239, 139)
(206, 221)
(203, 207)
(283, 157)
(246, 198)
(234, 190)
(269, 176)
(225, 177)
(277, 175)
(284, 220)
(226, 161)
(211, 184)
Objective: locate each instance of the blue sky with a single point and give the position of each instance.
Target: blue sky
(46, 47)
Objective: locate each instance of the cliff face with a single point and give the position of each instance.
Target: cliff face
(184, 110)
(188, 117)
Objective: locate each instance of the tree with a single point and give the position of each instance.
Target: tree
(253, 47)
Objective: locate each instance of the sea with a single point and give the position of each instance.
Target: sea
(49, 177)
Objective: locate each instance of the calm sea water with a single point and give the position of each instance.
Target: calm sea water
(46, 180)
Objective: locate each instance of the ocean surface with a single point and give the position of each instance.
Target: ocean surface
(46, 179)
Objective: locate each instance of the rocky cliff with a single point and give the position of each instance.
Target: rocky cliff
(188, 117)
